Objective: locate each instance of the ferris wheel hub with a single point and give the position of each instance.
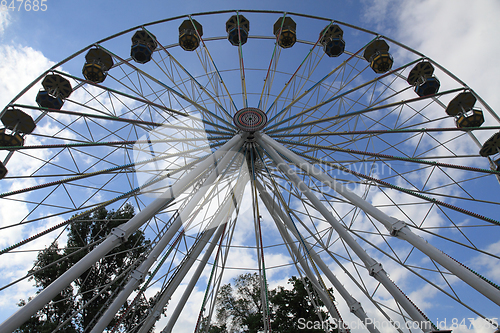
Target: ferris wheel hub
(250, 119)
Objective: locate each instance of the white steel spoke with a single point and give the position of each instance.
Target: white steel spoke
(322, 159)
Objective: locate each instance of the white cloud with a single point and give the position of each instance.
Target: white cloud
(459, 36)
(4, 22)
(462, 38)
(20, 66)
(450, 34)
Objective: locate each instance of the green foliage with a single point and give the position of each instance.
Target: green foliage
(83, 236)
(239, 308)
(289, 305)
(212, 327)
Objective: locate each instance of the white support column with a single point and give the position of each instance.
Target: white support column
(354, 306)
(286, 237)
(175, 315)
(137, 276)
(397, 228)
(231, 204)
(374, 268)
(156, 311)
(313, 171)
(117, 236)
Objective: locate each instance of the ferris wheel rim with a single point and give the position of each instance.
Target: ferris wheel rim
(53, 69)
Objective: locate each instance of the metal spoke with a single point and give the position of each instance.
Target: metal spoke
(342, 170)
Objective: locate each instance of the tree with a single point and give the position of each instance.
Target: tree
(290, 305)
(239, 309)
(85, 233)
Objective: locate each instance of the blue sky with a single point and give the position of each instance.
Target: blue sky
(81, 23)
(460, 36)
(454, 33)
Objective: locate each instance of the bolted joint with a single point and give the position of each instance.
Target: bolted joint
(138, 275)
(354, 307)
(120, 234)
(396, 227)
(157, 314)
(375, 269)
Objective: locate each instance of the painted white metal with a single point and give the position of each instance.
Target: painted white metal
(394, 226)
(374, 268)
(155, 313)
(24, 313)
(136, 279)
(224, 213)
(352, 303)
(286, 237)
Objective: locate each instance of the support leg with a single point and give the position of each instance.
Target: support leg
(231, 204)
(395, 227)
(138, 275)
(374, 268)
(353, 304)
(113, 240)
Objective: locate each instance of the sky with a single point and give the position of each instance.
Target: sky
(460, 36)
(450, 32)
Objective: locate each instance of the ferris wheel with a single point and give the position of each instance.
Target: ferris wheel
(258, 141)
